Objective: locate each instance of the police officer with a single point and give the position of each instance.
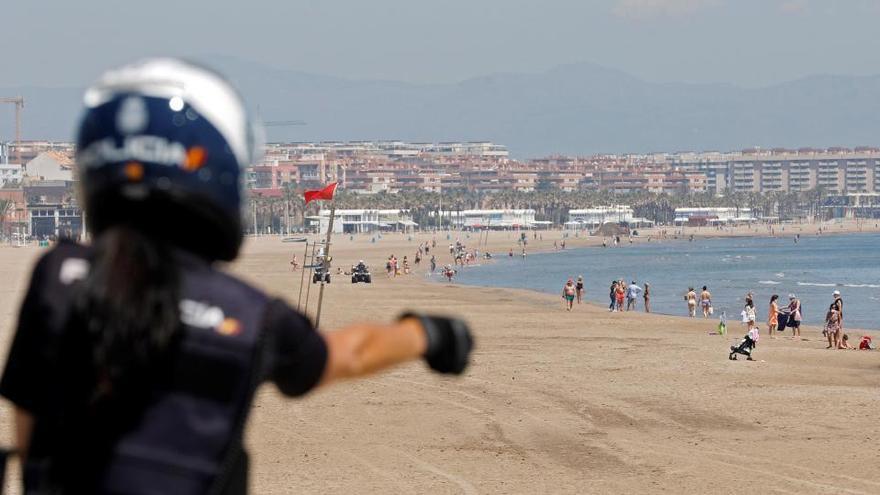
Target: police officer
(135, 360)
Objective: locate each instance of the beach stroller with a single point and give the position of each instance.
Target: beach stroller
(745, 347)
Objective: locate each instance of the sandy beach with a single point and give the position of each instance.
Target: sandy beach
(555, 402)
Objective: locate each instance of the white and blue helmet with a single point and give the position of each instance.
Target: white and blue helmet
(160, 149)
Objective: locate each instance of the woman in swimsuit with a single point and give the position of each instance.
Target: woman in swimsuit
(579, 287)
(691, 298)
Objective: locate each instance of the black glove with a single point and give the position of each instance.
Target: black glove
(449, 342)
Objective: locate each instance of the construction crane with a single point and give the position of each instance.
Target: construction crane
(19, 106)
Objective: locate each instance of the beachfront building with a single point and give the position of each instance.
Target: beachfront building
(712, 216)
(856, 205)
(595, 217)
(491, 219)
(363, 221)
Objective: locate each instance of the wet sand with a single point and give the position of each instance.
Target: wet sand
(555, 402)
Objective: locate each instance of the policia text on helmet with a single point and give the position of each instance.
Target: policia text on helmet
(135, 360)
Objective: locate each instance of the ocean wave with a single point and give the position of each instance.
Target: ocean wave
(779, 275)
(769, 282)
(853, 286)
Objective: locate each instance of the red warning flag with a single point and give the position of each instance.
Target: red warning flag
(326, 193)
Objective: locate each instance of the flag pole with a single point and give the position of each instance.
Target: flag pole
(325, 262)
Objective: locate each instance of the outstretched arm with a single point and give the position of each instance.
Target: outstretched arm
(361, 350)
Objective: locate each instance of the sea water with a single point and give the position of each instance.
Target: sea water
(811, 268)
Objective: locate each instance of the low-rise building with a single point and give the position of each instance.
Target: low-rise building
(712, 215)
(51, 166)
(354, 221)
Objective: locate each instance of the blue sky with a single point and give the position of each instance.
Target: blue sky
(744, 42)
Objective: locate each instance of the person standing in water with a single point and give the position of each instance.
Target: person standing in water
(568, 294)
(691, 298)
(647, 296)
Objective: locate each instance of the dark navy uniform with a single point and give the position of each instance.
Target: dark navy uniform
(182, 433)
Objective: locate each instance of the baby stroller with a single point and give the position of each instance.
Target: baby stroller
(745, 347)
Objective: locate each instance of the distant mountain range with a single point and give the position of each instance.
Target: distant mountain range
(572, 109)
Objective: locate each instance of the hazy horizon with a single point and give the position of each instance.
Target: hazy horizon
(749, 43)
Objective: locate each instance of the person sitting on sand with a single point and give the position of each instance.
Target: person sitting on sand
(568, 294)
(844, 342)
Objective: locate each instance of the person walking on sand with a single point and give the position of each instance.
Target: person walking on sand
(750, 314)
(632, 293)
(691, 298)
(568, 294)
(773, 317)
(794, 318)
(619, 296)
(832, 326)
(612, 295)
(838, 302)
(646, 295)
(706, 302)
(579, 287)
(433, 263)
(294, 263)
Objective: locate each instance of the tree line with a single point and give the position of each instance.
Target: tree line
(277, 213)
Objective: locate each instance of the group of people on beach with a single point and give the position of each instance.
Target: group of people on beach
(623, 297)
(705, 302)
